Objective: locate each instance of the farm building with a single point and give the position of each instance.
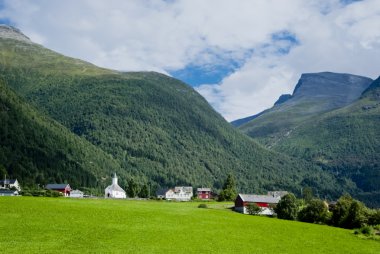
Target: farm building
(114, 190)
(10, 183)
(265, 202)
(4, 192)
(179, 193)
(204, 193)
(76, 194)
(161, 193)
(64, 188)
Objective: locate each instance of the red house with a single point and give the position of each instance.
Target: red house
(64, 188)
(204, 193)
(265, 202)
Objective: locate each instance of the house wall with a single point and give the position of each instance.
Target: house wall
(204, 195)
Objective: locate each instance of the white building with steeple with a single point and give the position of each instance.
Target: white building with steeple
(114, 190)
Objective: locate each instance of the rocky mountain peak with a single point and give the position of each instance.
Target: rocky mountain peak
(339, 87)
(10, 32)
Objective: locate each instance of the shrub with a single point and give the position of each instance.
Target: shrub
(253, 208)
(349, 213)
(315, 212)
(202, 206)
(374, 217)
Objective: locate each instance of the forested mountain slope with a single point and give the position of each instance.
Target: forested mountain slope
(37, 150)
(345, 140)
(156, 127)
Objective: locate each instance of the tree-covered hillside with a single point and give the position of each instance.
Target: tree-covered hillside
(344, 141)
(37, 150)
(155, 126)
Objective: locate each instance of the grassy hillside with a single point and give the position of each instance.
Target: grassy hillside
(36, 150)
(345, 141)
(119, 226)
(155, 126)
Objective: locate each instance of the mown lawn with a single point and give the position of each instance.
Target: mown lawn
(59, 225)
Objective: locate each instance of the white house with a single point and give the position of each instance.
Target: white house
(4, 192)
(114, 190)
(181, 193)
(76, 194)
(9, 183)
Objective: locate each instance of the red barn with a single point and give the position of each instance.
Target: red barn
(64, 188)
(266, 202)
(204, 193)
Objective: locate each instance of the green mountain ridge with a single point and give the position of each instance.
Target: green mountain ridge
(157, 128)
(344, 141)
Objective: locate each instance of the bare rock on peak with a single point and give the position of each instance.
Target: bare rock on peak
(10, 32)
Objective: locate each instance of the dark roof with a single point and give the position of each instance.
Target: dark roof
(4, 191)
(56, 186)
(259, 198)
(162, 192)
(8, 181)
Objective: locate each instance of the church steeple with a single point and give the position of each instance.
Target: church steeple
(114, 179)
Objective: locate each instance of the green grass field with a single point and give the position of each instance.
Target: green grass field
(61, 225)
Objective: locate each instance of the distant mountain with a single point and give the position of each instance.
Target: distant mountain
(157, 128)
(37, 150)
(314, 94)
(335, 126)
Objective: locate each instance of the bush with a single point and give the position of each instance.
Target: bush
(366, 230)
(253, 208)
(349, 213)
(202, 206)
(374, 217)
(287, 208)
(315, 212)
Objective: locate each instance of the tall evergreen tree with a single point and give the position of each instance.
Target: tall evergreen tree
(229, 191)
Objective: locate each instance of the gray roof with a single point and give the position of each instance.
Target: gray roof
(56, 186)
(260, 198)
(115, 187)
(204, 189)
(277, 193)
(183, 188)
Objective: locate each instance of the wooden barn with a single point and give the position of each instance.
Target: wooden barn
(265, 202)
(64, 188)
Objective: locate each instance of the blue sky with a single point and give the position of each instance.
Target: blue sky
(240, 55)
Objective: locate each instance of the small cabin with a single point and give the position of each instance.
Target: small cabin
(204, 193)
(76, 194)
(63, 188)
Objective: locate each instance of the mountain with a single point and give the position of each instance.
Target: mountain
(157, 128)
(37, 150)
(340, 133)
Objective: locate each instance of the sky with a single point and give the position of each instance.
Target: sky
(241, 55)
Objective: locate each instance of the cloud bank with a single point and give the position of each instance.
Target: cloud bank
(258, 48)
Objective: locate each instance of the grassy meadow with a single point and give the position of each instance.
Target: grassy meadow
(61, 225)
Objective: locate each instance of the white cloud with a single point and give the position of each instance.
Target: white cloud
(169, 35)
